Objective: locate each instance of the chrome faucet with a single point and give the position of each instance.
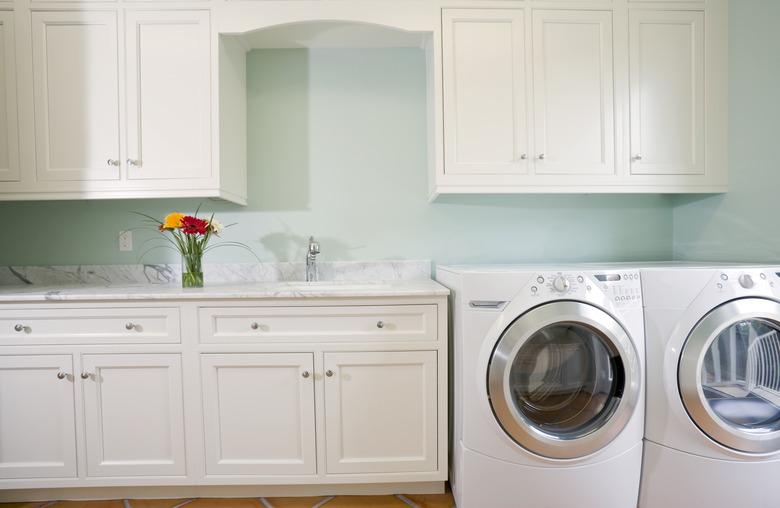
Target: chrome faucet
(311, 260)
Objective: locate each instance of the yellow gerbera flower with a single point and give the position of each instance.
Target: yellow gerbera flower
(172, 221)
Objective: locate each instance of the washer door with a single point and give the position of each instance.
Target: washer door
(729, 375)
(563, 379)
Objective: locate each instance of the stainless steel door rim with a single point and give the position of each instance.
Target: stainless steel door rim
(517, 334)
(690, 367)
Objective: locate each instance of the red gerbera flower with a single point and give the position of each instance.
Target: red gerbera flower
(194, 226)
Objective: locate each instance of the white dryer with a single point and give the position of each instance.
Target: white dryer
(713, 387)
(548, 386)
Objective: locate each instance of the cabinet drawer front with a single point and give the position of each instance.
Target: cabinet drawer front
(251, 324)
(87, 326)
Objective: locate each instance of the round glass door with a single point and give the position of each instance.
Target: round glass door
(730, 375)
(558, 379)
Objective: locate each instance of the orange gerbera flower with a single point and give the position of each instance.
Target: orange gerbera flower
(172, 221)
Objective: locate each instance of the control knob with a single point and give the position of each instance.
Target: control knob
(746, 281)
(561, 284)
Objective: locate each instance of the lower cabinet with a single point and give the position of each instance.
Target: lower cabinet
(37, 425)
(134, 416)
(363, 403)
(381, 412)
(259, 413)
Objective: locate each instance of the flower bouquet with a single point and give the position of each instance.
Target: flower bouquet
(190, 236)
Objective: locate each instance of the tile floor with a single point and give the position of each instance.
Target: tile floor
(399, 501)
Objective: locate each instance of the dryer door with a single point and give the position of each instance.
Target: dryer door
(729, 375)
(564, 379)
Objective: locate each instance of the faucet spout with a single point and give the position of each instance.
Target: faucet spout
(312, 274)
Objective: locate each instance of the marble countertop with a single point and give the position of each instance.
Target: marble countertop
(249, 290)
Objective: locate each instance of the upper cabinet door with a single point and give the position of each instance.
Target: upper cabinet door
(573, 92)
(76, 88)
(484, 91)
(37, 426)
(133, 411)
(168, 95)
(9, 131)
(667, 92)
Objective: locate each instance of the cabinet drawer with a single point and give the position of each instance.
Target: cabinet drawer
(88, 326)
(253, 324)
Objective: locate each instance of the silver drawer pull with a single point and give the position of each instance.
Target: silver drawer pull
(254, 326)
(85, 375)
(129, 326)
(19, 328)
(380, 324)
(305, 373)
(61, 375)
(329, 373)
(486, 304)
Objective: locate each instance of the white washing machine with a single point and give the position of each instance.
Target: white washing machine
(548, 386)
(713, 387)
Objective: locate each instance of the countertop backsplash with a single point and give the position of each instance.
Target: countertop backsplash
(224, 273)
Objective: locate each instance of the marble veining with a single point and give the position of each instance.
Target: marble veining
(227, 273)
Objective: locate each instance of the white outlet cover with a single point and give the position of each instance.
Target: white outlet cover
(125, 241)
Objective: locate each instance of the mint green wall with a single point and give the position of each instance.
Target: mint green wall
(743, 225)
(338, 150)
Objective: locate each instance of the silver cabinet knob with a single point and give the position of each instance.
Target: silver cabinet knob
(85, 375)
(329, 373)
(380, 324)
(129, 326)
(61, 375)
(305, 373)
(523, 157)
(541, 156)
(19, 328)
(638, 157)
(112, 162)
(254, 326)
(133, 162)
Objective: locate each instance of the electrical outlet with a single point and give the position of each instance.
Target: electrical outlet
(125, 241)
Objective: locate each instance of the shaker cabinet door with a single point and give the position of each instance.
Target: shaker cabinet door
(9, 127)
(484, 91)
(37, 425)
(667, 92)
(168, 95)
(259, 413)
(133, 408)
(573, 93)
(76, 94)
(381, 412)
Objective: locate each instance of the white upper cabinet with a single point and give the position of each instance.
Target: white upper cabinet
(9, 130)
(629, 97)
(259, 413)
(484, 91)
(573, 92)
(134, 416)
(667, 92)
(168, 95)
(37, 426)
(76, 88)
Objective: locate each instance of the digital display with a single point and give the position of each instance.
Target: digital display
(609, 277)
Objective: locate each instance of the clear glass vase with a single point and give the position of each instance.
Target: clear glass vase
(192, 270)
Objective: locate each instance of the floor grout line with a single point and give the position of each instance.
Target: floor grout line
(407, 500)
(320, 503)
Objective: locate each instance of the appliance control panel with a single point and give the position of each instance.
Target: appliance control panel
(621, 288)
(748, 279)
